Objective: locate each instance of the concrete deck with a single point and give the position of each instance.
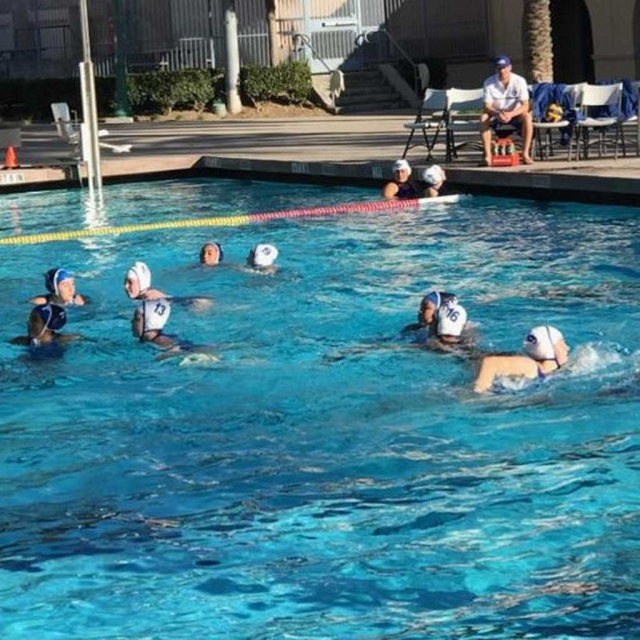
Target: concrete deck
(354, 149)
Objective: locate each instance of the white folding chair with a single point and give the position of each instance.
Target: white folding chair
(69, 130)
(634, 120)
(430, 120)
(464, 108)
(543, 131)
(592, 98)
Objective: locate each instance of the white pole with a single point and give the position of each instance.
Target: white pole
(89, 132)
(234, 105)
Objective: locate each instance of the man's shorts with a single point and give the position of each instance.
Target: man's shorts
(504, 130)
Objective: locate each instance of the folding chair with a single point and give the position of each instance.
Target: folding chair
(631, 120)
(431, 119)
(69, 130)
(594, 100)
(542, 96)
(464, 107)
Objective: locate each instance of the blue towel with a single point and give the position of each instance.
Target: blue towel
(628, 104)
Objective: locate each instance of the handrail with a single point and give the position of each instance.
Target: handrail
(304, 38)
(417, 82)
(307, 41)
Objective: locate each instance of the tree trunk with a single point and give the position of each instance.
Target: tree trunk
(538, 45)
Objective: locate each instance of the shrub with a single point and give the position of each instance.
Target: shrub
(165, 90)
(156, 91)
(289, 82)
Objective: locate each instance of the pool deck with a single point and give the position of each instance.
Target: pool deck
(349, 149)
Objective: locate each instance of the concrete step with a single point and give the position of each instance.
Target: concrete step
(347, 98)
(377, 107)
(376, 87)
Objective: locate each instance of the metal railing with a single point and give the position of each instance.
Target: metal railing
(306, 41)
(418, 82)
(336, 80)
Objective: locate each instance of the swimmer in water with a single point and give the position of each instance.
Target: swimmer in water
(211, 254)
(137, 286)
(149, 321)
(262, 258)
(435, 177)
(428, 311)
(62, 289)
(442, 324)
(546, 352)
(402, 186)
(451, 321)
(43, 327)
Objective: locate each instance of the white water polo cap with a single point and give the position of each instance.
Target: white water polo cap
(401, 165)
(142, 274)
(434, 175)
(264, 255)
(155, 314)
(539, 343)
(451, 320)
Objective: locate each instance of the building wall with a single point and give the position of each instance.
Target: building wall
(613, 38)
(615, 27)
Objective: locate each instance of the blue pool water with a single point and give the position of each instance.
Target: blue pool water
(322, 480)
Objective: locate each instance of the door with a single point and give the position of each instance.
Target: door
(335, 29)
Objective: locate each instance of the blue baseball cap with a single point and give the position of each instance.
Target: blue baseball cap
(502, 61)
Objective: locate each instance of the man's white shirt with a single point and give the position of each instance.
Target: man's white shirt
(503, 98)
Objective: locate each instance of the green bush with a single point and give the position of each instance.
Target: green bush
(155, 92)
(163, 91)
(289, 82)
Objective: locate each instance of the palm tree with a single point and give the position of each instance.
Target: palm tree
(538, 46)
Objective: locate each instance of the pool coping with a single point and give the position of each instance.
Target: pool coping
(555, 184)
(349, 150)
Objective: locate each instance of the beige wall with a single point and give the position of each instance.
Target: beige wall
(612, 30)
(612, 33)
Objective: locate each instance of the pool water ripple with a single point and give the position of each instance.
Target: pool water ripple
(325, 478)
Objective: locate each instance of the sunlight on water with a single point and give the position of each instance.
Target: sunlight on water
(307, 473)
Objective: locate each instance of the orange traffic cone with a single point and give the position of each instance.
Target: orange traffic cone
(11, 159)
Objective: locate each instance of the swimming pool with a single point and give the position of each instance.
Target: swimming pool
(321, 480)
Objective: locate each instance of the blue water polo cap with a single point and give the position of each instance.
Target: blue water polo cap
(54, 277)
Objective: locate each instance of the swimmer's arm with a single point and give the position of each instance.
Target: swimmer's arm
(411, 328)
(23, 341)
(38, 300)
(81, 300)
(165, 342)
(70, 337)
(493, 366)
(390, 191)
(194, 303)
(430, 192)
(156, 294)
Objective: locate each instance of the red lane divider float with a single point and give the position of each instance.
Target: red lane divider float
(351, 207)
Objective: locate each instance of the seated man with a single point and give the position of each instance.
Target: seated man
(506, 101)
